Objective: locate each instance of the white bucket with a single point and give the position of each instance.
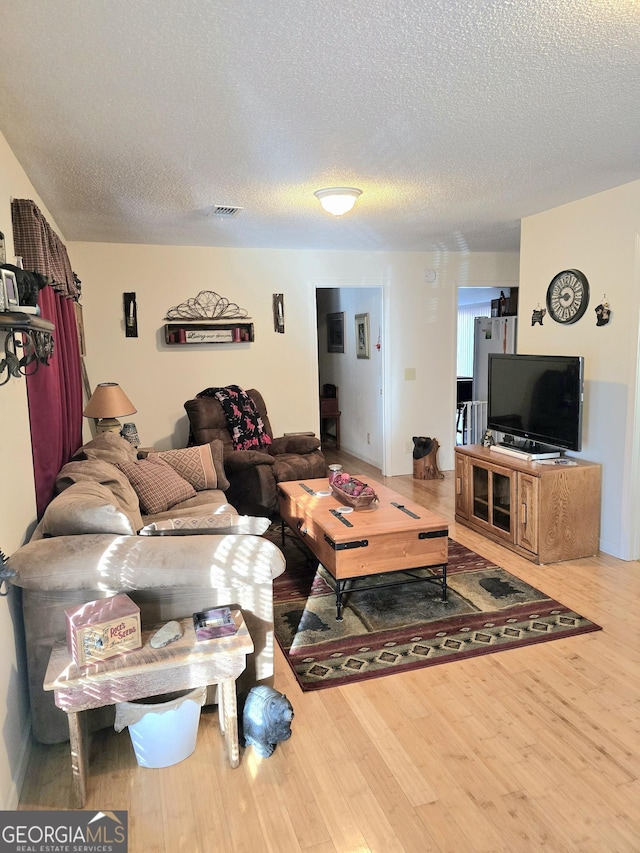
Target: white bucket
(163, 729)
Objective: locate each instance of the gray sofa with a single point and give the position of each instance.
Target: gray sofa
(94, 541)
(107, 488)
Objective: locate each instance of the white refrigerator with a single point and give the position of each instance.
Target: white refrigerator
(490, 334)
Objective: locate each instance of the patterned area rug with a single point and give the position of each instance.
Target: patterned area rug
(406, 626)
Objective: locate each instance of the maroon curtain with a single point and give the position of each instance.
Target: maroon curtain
(55, 391)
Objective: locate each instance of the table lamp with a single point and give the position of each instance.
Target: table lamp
(108, 403)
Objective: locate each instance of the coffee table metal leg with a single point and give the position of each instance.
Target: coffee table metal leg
(338, 600)
(442, 578)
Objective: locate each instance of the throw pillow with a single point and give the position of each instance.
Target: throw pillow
(108, 447)
(123, 495)
(84, 508)
(157, 485)
(202, 465)
(195, 464)
(222, 523)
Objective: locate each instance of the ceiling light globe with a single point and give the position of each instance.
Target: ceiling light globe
(338, 200)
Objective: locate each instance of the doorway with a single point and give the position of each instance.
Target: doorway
(351, 358)
(473, 303)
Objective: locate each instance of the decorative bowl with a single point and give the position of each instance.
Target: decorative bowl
(356, 501)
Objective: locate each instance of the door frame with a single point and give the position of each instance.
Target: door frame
(384, 345)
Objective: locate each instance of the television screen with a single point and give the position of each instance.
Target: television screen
(537, 398)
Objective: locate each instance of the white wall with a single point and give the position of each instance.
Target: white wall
(419, 332)
(159, 378)
(598, 235)
(17, 517)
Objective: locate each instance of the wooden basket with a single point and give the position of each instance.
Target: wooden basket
(357, 502)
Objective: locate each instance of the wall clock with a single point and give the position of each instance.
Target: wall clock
(568, 296)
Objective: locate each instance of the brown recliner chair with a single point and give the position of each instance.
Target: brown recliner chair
(254, 474)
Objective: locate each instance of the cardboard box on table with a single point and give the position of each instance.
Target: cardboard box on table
(102, 629)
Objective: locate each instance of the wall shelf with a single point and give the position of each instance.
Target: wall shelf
(18, 320)
(190, 332)
(26, 333)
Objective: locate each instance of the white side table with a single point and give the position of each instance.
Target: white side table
(182, 665)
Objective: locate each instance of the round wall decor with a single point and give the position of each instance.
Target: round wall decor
(568, 296)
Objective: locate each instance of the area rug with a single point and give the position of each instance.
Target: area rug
(407, 626)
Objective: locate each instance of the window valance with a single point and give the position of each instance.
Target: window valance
(40, 247)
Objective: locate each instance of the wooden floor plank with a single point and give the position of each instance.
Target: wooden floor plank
(525, 749)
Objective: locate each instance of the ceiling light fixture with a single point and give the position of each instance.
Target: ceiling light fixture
(338, 200)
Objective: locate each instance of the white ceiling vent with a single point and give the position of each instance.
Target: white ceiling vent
(225, 211)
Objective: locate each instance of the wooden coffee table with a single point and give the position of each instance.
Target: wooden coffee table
(396, 535)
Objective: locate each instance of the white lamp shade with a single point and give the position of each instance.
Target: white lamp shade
(338, 200)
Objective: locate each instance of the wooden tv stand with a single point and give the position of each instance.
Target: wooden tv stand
(546, 513)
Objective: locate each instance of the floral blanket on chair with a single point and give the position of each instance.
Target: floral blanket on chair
(243, 421)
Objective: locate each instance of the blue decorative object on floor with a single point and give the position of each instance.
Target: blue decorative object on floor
(266, 719)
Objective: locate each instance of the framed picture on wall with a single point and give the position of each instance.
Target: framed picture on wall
(362, 335)
(10, 290)
(335, 332)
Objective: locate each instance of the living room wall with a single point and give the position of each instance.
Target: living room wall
(17, 517)
(599, 235)
(419, 332)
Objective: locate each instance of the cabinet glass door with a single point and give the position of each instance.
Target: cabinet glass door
(491, 499)
(501, 501)
(480, 504)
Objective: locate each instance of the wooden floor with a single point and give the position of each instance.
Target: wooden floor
(517, 751)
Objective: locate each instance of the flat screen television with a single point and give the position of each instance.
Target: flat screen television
(536, 400)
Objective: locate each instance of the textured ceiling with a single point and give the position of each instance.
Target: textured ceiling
(455, 117)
